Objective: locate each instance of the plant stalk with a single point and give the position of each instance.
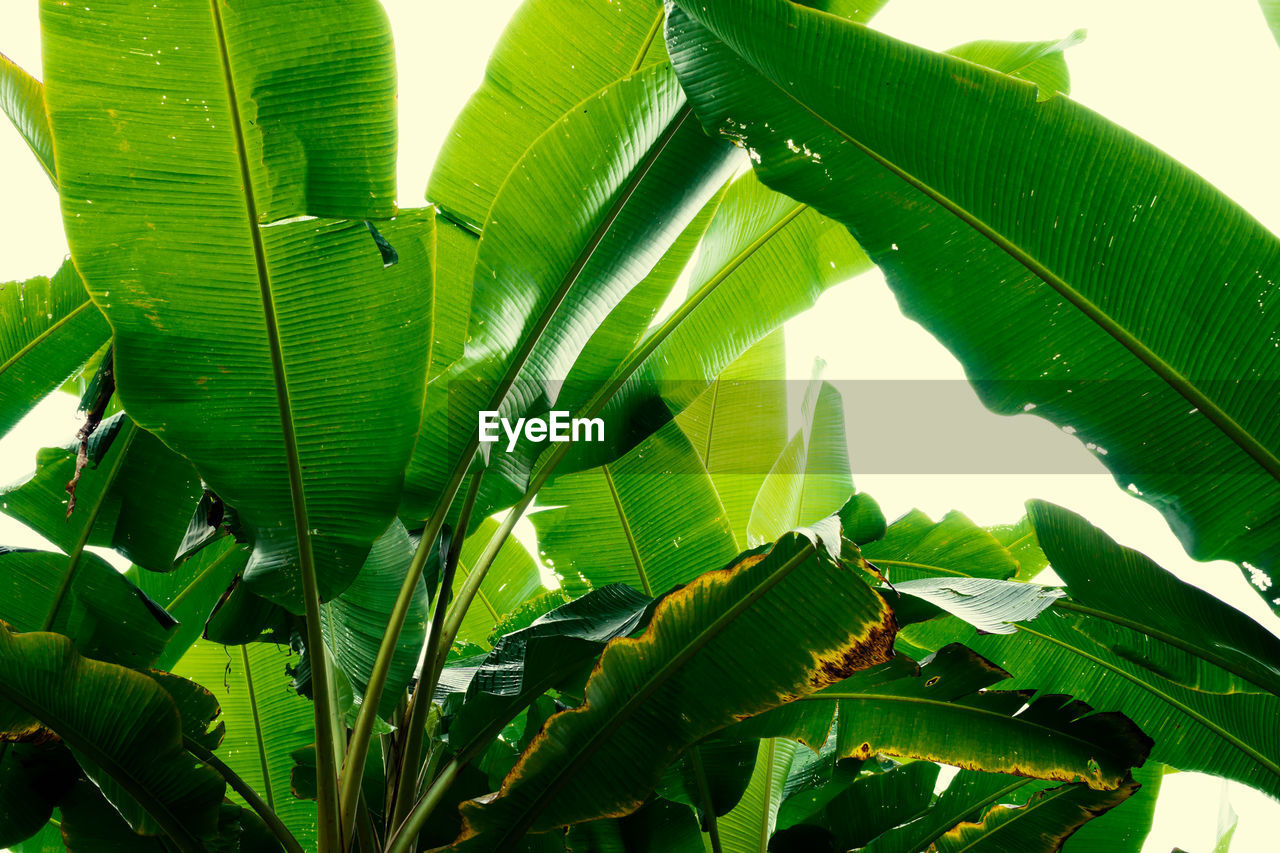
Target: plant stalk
(358, 745)
(704, 794)
(406, 834)
(420, 703)
(241, 787)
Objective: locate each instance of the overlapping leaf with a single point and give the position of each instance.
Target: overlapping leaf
(651, 697)
(265, 722)
(122, 725)
(48, 330)
(1000, 213)
(179, 131)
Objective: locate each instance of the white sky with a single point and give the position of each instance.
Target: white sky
(1197, 79)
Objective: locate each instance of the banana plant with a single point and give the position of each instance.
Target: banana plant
(329, 637)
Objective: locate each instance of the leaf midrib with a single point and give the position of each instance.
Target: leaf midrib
(137, 789)
(1218, 730)
(626, 531)
(1207, 655)
(45, 335)
(593, 743)
(1048, 798)
(258, 737)
(957, 706)
(1191, 392)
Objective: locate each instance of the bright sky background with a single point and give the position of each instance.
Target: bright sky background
(1199, 80)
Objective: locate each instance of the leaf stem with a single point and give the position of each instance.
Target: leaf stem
(704, 794)
(245, 790)
(329, 825)
(420, 702)
(358, 745)
(405, 835)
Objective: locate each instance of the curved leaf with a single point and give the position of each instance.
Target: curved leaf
(1203, 693)
(104, 614)
(1101, 577)
(1040, 735)
(48, 330)
(525, 664)
(747, 828)
(316, 462)
(995, 212)
(22, 100)
(1038, 62)
(991, 606)
(651, 520)
(764, 259)
(355, 621)
(121, 724)
(580, 220)
(1046, 821)
(651, 697)
(265, 722)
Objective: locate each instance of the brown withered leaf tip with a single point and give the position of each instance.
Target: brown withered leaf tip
(875, 648)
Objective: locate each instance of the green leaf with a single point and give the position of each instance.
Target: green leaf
(739, 422)
(355, 621)
(1101, 577)
(943, 714)
(576, 225)
(22, 100)
(877, 802)
(1033, 239)
(526, 663)
(968, 795)
(123, 727)
(1192, 672)
(265, 719)
(991, 606)
(1125, 829)
(810, 478)
(651, 697)
(281, 128)
(552, 56)
(726, 766)
(916, 547)
(104, 614)
(47, 840)
(764, 259)
(1020, 541)
(513, 579)
(1043, 824)
(651, 520)
(1038, 62)
(147, 500)
(33, 779)
(748, 827)
(190, 592)
(1271, 11)
(48, 330)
